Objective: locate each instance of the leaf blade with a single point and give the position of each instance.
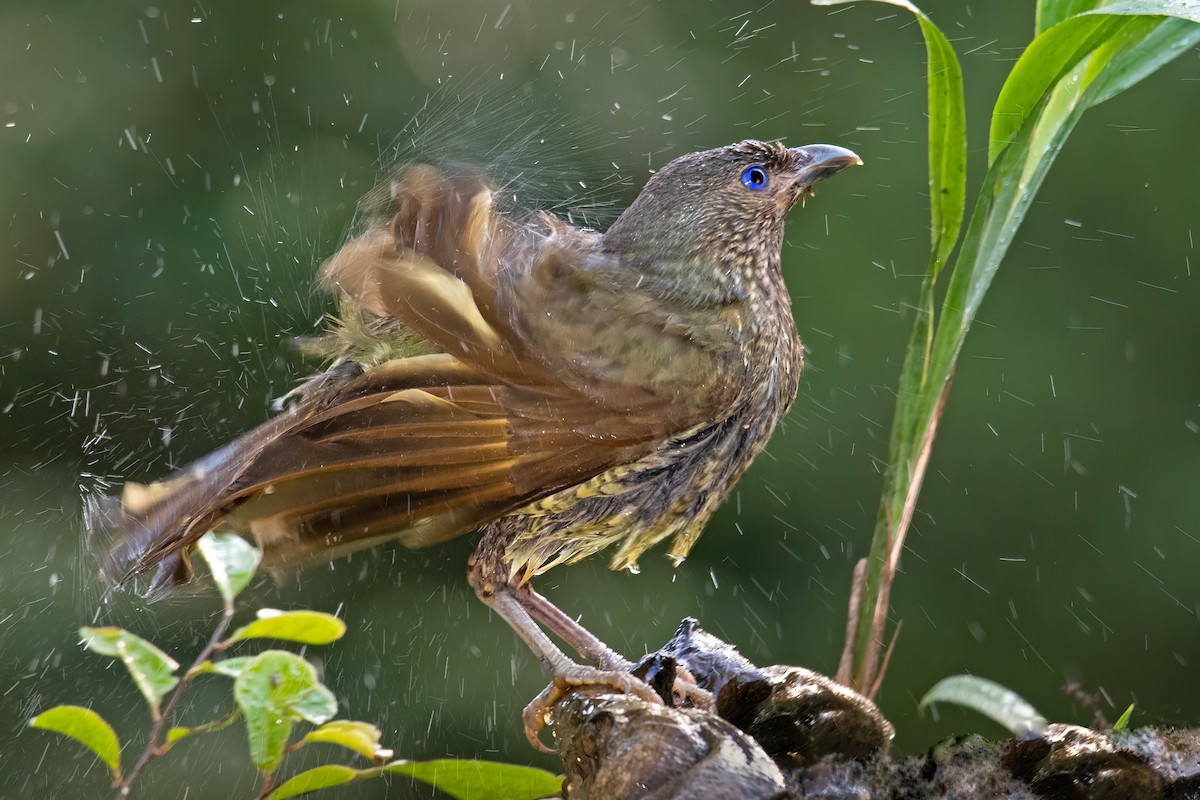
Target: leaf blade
(361, 737)
(996, 702)
(480, 780)
(911, 436)
(273, 691)
(1122, 722)
(86, 727)
(231, 560)
(152, 670)
(323, 777)
(1046, 61)
(303, 626)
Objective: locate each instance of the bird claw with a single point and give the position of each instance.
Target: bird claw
(536, 715)
(687, 692)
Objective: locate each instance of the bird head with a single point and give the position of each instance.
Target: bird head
(717, 216)
(750, 177)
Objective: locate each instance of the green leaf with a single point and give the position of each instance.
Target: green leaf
(1109, 32)
(231, 560)
(1014, 178)
(1123, 722)
(178, 733)
(151, 669)
(947, 134)
(305, 627)
(229, 667)
(1046, 60)
(1139, 58)
(1182, 9)
(273, 691)
(988, 698)
(464, 780)
(480, 780)
(912, 434)
(86, 727)
(361, 737)
(1052, 12)
(314, 779)
(1042, 103)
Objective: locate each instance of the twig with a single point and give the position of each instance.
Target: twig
(160, 724)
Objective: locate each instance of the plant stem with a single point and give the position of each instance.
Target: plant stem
(160, 724)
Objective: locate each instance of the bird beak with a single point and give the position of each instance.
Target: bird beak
(816, 162)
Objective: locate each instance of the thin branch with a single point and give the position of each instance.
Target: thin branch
(160, 724)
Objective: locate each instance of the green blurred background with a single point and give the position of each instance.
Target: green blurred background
(171, 175)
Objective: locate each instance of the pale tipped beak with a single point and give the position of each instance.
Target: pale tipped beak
(816, 162)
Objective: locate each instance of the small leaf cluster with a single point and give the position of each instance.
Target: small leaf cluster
(273, 691)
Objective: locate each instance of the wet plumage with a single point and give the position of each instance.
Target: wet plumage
(564, 391)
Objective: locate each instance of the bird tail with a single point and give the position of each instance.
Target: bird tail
(145, 526)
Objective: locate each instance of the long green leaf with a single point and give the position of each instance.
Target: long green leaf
(1182, 9)
(1140, 59)
(947, 200)
(1045, 61)
(1009, 188)
(1043, 101)
(989, 698)
(480, 780)
(1109, 31)
(1052, 12)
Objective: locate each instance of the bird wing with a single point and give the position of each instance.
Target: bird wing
(542, 374)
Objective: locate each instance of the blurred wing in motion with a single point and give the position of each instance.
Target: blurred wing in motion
(509, 397)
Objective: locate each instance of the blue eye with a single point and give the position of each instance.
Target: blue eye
(755, 178)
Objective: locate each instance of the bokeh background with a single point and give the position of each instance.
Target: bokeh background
(171, 175)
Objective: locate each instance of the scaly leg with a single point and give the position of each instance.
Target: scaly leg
(590, 647)
(567, 673)
(583, 641)
(527, 612)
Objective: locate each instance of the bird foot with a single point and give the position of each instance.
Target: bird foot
(537, 714)
(686, 692)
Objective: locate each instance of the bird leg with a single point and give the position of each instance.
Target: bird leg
(590, 647)
(580, 639)
(528, 612)
(568, 674)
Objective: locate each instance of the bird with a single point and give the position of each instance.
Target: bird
(561, 390)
